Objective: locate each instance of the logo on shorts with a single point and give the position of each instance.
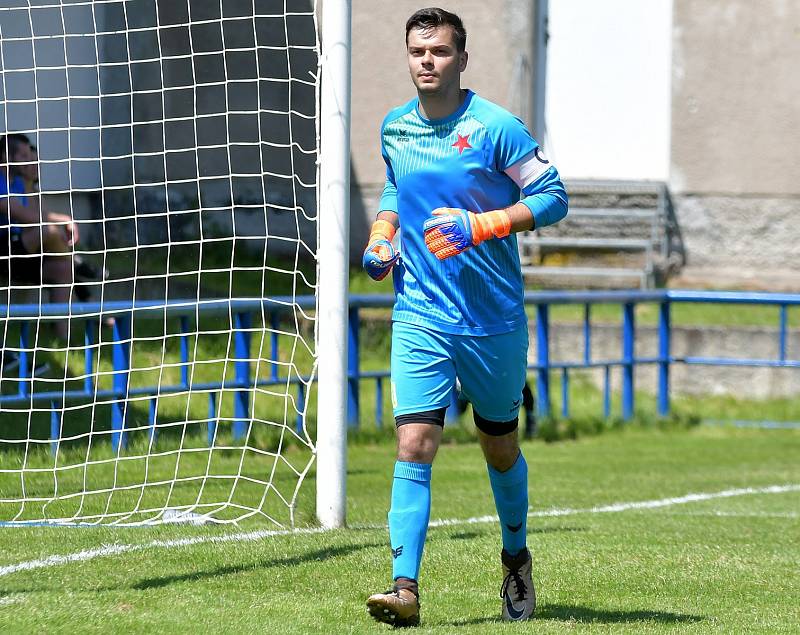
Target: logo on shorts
(514, 405)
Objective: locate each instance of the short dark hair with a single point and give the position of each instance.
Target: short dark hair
(9, 145)
(435, 17)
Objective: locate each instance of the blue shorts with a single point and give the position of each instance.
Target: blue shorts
(491, 369)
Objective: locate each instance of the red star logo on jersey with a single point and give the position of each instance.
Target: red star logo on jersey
(462, 143)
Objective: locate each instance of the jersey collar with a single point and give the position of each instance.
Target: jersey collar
(460, 111)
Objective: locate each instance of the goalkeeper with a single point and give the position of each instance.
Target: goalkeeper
(455, 167)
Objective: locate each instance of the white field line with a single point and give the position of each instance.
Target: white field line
(11, 599)
(739, 514)
(621, 507)
(113, 550)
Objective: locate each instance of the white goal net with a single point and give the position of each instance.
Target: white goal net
(157, 259)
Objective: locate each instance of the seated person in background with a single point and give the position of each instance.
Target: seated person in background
(83, 270)
(35, 245)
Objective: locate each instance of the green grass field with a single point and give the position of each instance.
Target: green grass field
(726, 563)
(721, 563)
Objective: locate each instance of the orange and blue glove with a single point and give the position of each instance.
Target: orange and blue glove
(452, 231)
(380, 255)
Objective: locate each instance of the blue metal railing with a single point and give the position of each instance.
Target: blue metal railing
(665, 359)
(241, 310)
(270, 311)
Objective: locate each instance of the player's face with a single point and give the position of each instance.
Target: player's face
(24, 158)
(434, 61)
(31, 170)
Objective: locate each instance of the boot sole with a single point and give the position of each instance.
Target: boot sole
(382, 613)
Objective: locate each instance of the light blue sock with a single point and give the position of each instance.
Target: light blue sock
(408, 517)
(510, 489)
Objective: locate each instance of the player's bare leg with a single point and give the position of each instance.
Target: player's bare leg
(417, 444)
(57, 271)
(500, 452)
(53, 241)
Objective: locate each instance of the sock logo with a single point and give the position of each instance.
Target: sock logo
(396, 553)
(514, 528)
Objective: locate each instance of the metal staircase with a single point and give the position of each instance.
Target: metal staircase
(617, 234)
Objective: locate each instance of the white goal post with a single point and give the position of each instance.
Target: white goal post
(334, 212)
(174, 228)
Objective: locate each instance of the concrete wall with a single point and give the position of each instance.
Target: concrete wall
(736, 85)
(56, 99)
(177, 110)
(230, 160)
(735, 167)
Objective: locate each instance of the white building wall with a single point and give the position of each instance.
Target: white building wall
(608, 88)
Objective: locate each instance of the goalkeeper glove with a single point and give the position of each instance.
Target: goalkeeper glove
(380, 255)
(452, 231)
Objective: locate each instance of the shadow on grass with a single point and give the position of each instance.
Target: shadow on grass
(586, 615)
(311, 556)
(475, 621)
(492, 529)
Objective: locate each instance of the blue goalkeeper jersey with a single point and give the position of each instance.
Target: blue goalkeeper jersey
(15, 186)
(461, 161)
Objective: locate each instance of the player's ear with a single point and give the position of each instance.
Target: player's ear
(462, 61)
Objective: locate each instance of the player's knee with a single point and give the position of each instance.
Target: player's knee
(30, 240)
(57, 270)
(419, 434)
(499, 441)
(415, 454)
(54, 239)
(51, 232)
